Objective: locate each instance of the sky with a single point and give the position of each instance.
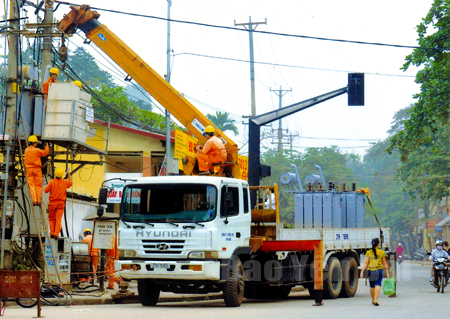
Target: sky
(310, 67)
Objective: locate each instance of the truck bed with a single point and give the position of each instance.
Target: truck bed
(337, 238)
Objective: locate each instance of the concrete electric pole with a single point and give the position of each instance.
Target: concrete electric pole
(9, 136)
(251, 26)
(47, 42)
(280, 94)
(168, 156)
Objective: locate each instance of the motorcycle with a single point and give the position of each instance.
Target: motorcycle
(420, 256)
(400, 259)
(440, 274)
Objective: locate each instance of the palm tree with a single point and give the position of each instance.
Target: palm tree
(223, 122)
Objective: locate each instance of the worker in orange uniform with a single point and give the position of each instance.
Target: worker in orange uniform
(33, 166)
(93, 252)
(54, 72)
(212, 152)
(112, 254)
(57, 188)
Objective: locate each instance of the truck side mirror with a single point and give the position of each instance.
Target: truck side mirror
(102, 195)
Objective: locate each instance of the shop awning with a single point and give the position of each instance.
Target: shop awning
(444, 222)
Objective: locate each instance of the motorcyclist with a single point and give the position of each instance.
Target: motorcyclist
(439, 252)
(399, 250)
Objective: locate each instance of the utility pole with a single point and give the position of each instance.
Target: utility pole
(12, 89)
(280, 94)
(291, 138)
(47, 42)
(251, 26)
(169, 3)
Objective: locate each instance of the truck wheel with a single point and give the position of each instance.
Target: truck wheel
(332, 282)
(350, 277)
(233, 290)
(148, 293)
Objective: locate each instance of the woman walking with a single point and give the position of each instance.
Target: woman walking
(375, 262)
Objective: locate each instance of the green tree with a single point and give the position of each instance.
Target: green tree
(123, 111)
(223, 122)
(85, 66)
(432, 108)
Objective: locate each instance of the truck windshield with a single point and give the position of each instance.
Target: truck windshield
(169, 202)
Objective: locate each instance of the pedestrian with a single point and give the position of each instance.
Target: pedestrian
(270, 200)
(54, 72)
(57, 201)
(93, 252)
(112, 255)
(213, 152)
(33, 166)
(375, 262)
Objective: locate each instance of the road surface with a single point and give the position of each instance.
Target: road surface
(415, 299)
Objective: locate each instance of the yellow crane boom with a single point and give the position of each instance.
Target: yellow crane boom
(84, 18)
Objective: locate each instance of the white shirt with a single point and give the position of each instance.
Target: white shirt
(436, 253)
(270, 202)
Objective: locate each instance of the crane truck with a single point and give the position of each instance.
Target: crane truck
(199, 234)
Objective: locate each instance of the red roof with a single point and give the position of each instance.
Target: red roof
(160, 137)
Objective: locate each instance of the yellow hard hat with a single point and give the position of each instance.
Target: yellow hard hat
(33, 139)
(87, 230)
(78, 83)
(59, 172)
(209, 129)
(54, 71)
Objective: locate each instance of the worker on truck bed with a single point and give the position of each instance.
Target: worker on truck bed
(54, 72)
(57, 188)
(93, 252)
(33, 166)
(270, 200)
(212, 152)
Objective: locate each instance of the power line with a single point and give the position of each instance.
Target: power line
(338, 139)
(289, 66)
(262, 32)
(338, 146)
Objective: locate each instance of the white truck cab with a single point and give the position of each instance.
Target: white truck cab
(182, 228)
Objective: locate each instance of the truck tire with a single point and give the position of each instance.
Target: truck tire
(332, 282)
(233, 290)
(349, 277)
(148, 293)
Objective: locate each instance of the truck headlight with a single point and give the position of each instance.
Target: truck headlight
(203, 254)
(127, 253)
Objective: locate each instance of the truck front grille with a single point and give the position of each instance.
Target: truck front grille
(163, 247)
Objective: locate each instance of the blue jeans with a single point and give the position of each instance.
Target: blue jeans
(375, 277)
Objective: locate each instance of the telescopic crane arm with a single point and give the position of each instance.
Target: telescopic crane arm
(85, 19)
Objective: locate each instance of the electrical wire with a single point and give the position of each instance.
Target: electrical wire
(339, 139)
(263, 32)
(291, 66)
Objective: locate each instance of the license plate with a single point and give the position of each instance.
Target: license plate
(160, 266)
